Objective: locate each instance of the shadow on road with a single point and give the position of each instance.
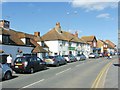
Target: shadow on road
(13, 77)
(117, 65)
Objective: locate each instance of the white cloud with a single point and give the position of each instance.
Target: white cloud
(104, 15)
(90, 5)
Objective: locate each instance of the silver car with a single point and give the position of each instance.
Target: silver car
(5, 72)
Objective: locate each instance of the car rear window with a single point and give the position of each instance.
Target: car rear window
(21, 59)
(49, 57)
(65, 55)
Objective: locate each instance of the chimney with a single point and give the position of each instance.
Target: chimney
(5, 24)
(58, 27)
(76, 34)
(37, 34)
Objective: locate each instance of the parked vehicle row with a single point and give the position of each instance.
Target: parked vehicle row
(31, 64)
(55, 60)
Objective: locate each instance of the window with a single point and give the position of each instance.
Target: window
(70, 44)
(27, 41)
(5, 39)
(77, 44)
(63, 43)
(43, 43)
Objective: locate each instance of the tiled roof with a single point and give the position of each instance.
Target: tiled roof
(88, 38)
(83, 41)
(110, 43)
(63, 35)
(39, 49)
(15, 38)
(101, 43)
(70, 37)
(53, 35)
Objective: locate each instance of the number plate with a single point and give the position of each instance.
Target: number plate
(16, 66)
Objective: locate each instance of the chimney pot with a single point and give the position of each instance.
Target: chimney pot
(5, 24)
(37, 34)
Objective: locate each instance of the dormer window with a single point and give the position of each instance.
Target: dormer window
(27, 41)
(43, 43)
(5, 39)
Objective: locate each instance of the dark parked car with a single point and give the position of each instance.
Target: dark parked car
(70, 58)
(55, 60)
(28, 64)
(80, 57)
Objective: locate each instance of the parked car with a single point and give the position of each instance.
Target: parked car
(80, 57)
(70, 58)
(3, 58)
(55, 60)
(28, 64)
(105, 54)
(5, 72)
(100, 54)
(93, 55)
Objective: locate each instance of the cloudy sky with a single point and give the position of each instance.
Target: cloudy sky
(85, 16)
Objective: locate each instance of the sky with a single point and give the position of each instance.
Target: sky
(87, 18)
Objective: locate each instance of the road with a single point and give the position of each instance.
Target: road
(91, 73)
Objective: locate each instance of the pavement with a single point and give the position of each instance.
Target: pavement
(80, 74)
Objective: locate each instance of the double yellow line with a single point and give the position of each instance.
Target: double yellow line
(98, 80)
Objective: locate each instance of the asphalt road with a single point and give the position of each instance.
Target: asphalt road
(91, 73)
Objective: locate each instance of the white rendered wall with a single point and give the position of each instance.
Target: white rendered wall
(9, 49)
(53, 46)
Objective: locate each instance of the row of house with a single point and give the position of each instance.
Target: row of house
(55, 41)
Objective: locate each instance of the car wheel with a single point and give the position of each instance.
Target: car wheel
(65, 62)
(31, 70)
(45, 67)
(57, 64)
(8, 76)
(17, 72)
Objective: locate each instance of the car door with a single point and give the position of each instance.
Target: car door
(35, 63)
(40, 63)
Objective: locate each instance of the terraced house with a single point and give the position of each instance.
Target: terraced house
(20, 43)
(63, 43)
(92, 41)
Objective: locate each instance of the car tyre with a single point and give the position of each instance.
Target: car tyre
(31, 70)
(57, 65)
(45, 67)
(8, 76)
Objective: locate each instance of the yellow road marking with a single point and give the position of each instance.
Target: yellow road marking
(100, 75)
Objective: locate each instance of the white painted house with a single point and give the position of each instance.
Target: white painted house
(62, 42)
(19, 43)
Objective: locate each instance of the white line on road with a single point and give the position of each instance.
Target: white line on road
(63, 71)
(77, 65)
(33, 83)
